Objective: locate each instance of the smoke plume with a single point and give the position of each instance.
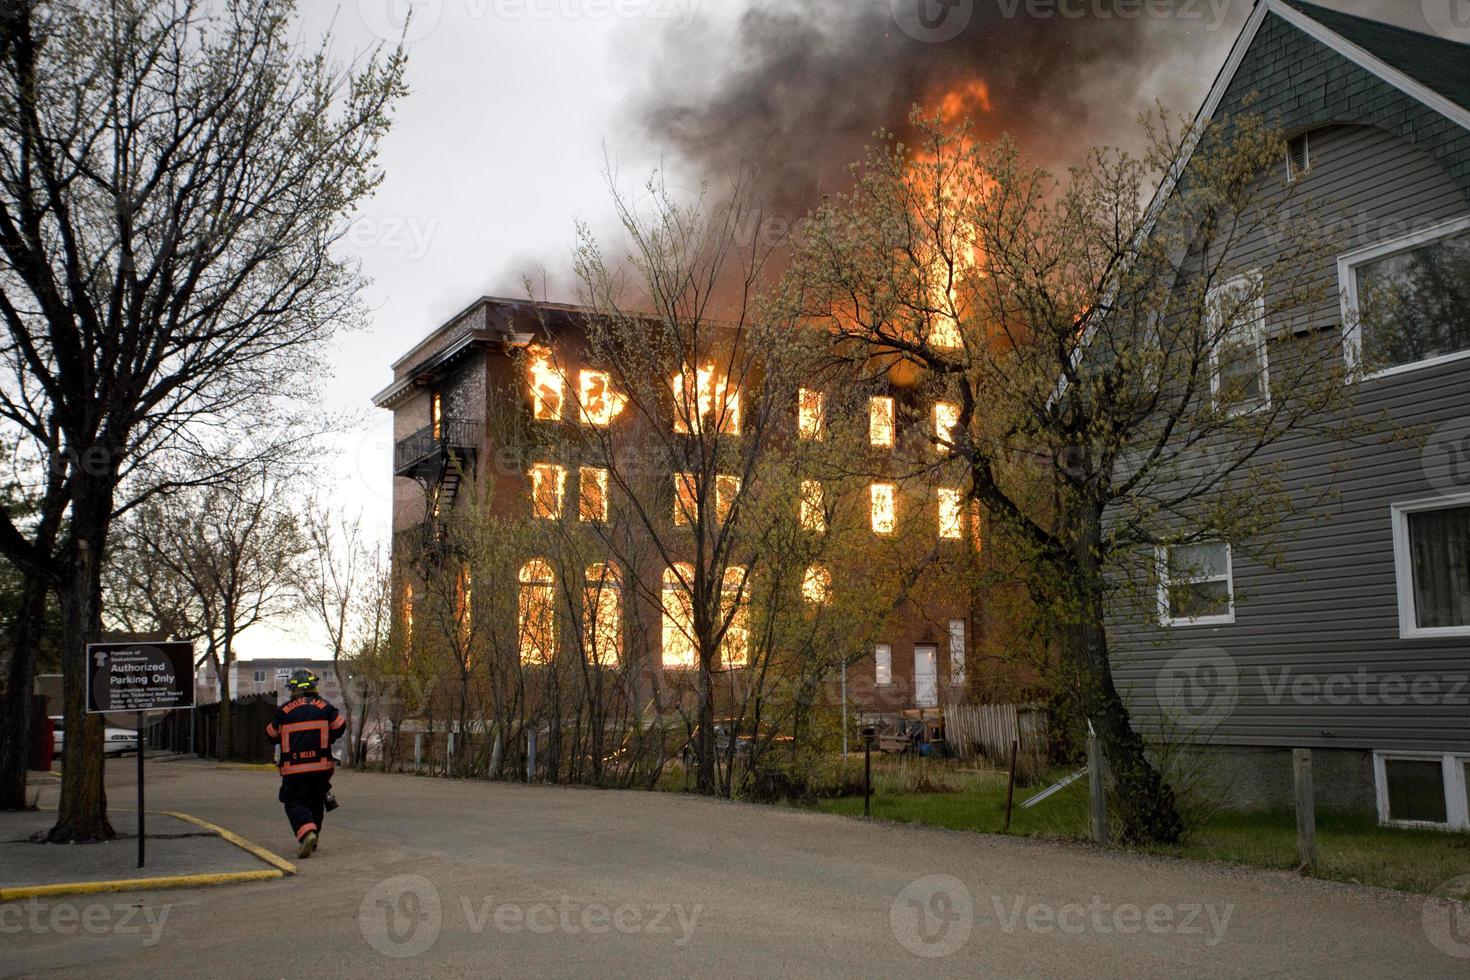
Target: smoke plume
(796, 88)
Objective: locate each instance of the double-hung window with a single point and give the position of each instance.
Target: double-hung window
(1235, 317)
(882, 664)
(1431, 540)
(1406, 304)
(1196, 586)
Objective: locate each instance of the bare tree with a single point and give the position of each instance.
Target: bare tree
(1105, 360)
(337, 568)
(173, 176)
(689, 421)
(234, 555)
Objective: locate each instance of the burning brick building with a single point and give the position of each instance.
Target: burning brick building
(477, 405)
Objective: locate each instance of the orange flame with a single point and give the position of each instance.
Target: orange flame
(601, 403)
(962, 101)
(712, 399)
(547, 384)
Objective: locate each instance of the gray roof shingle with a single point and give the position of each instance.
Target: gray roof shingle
(1438, 63)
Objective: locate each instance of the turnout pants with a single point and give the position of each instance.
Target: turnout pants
(305, 797)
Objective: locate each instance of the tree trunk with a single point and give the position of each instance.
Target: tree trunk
(82, 815)
(227, 720)
(704, 739)
(1145, 804)
(15, 707)
(224, 743)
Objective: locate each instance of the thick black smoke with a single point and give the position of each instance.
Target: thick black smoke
(796, 88)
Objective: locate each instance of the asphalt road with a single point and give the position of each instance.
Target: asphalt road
(429, 877)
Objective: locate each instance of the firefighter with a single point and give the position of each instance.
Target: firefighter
(306, 726)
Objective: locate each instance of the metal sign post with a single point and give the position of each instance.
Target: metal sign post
(137, 678)
(142, 835)
(869, 733)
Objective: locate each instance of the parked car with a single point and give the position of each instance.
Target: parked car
(115, 741)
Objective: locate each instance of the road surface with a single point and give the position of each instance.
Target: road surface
(441, 878)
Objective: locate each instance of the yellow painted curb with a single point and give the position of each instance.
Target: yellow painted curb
(280, 867)
(240, 842)
(137, 884)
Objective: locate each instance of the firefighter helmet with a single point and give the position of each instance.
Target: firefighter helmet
(302, 681)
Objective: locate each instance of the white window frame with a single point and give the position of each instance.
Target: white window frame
(924, 698)
(1403, 566)
(1258, 320)
(889, 414)
(1293, 175)
(1452, 780)
(1347, 281)
(1161, 556)
(879, 651)
(957, 651)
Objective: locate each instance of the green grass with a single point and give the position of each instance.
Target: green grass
(980, 807)
(1351, 846)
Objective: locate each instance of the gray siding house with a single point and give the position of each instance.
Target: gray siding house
(1358, 645)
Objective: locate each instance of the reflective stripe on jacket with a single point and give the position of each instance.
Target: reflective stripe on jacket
(306, 727)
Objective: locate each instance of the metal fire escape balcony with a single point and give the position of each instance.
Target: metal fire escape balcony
(425, 454)
(439, 456)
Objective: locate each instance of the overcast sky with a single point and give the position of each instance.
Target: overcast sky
(515, 105)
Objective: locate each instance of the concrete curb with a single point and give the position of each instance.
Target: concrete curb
(275, 860)
(280, 867)
(137, 884)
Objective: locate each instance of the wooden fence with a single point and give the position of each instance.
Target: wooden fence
(989, 729)
(197, 731)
